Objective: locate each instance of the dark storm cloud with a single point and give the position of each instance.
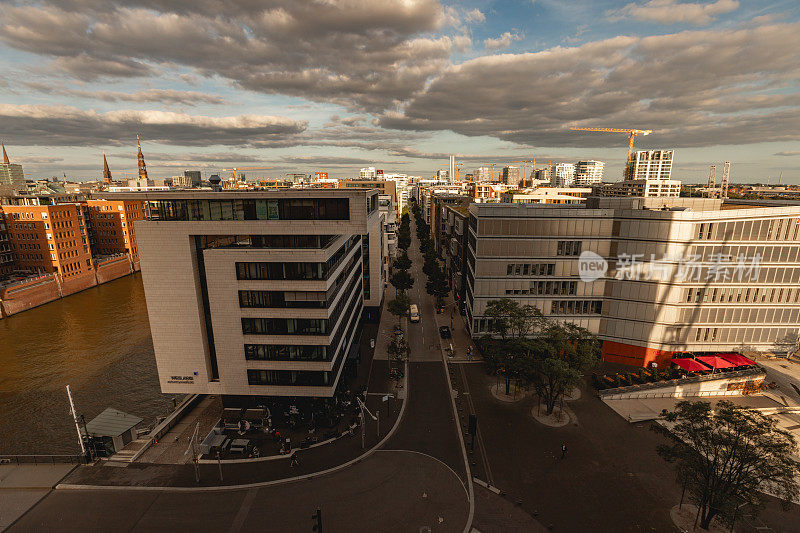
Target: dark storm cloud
(698, 88)
(69, 126)
(357, 53)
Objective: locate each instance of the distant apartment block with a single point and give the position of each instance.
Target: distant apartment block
(644, 188)
(547, 195)
(563, 175)
(650, 165)
(511, 176)
(588, 173)
(259, 293)
(683, 274)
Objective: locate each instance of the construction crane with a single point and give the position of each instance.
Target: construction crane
(726, 174)
(493, 164)
(632, 132)
(458, 168)
(525, 177)
(234, 170)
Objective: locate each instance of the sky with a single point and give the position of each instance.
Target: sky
(336, 85)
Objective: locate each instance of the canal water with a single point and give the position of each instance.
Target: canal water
(98, 342)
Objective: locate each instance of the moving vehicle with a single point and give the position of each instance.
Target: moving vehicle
(444, 332)
(413, 313)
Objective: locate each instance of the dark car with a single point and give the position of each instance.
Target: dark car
(444, 332)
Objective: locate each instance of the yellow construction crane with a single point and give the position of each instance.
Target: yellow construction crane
(458, 168)
(236, 169)
(525, 167)
(633, 133)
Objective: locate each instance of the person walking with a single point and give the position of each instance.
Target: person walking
(563, 451)
(293, 460)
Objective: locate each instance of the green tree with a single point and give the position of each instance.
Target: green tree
(404, 242)
(399, 306)
(402, 262)
(562, 353)
(402, 281)
(398, 349)
(438, 285)
(728, 456)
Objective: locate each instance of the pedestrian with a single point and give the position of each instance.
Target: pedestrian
(563, 451)
(293, 460)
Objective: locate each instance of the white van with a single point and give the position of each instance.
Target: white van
(413, 313)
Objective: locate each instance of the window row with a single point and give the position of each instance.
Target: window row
(548, 288)
(298, 299)
(740, 315)
(780, 229)
(576, 307)
(530, 269)
(743, 295)
(282, 352)
(257, 209)
(268, 241)
(569, 248)
(296, 271)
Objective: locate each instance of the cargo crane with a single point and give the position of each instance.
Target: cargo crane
(631, 132)
(234, 170)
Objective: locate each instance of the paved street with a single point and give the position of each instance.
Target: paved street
(389, 491)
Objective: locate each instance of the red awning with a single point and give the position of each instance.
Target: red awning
(690, 364)
(737, 360)
(715, 362)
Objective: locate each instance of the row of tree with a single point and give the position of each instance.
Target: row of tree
(438, 284)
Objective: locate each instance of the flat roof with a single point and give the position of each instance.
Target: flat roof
(189, 194)
(111, 423)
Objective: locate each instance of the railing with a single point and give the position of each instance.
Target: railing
(681, 381)
(12, 284)
(43, 459)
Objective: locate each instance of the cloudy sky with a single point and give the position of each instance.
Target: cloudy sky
(334, 85)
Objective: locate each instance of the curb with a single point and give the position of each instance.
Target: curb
(260, 484)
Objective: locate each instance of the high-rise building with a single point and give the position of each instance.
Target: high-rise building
(193, 176)
(482, 174)
(563, 175)
(367, 173)
(650, 165)
(452, 168)
(666, 275)
(259, 293)
(511, 176)
(589, 173)
(12, 179)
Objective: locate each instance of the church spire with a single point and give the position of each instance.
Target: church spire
(142, 166)
(106, 172)
(5, 156)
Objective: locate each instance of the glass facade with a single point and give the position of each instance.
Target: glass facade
(296, 270)
(255, 209)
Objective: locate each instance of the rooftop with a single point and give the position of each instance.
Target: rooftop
(111, 423)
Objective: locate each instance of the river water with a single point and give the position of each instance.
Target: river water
(98, 342)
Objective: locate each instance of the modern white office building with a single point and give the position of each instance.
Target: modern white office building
(588, 173)
(12, 179)
(649, 276)
(563, 175)
(259, 293)
(650, 165)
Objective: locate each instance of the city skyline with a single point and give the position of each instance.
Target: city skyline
(335, 88)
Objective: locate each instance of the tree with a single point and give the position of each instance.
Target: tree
(438, 285)
(402, 262)
(399, 306)
(729, 456)
(562, 353)
(402, 281)
(404, 242)
(398, 349)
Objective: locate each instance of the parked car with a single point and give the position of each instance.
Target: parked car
(444, 332)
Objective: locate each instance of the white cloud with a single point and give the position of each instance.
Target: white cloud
(475, 16)
(673, 11)
(502, 42)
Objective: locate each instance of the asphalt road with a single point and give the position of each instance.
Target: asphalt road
(389, 491)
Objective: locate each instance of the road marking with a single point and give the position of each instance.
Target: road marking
(244, 510)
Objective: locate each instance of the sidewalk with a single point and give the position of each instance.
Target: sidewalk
(22, 486)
